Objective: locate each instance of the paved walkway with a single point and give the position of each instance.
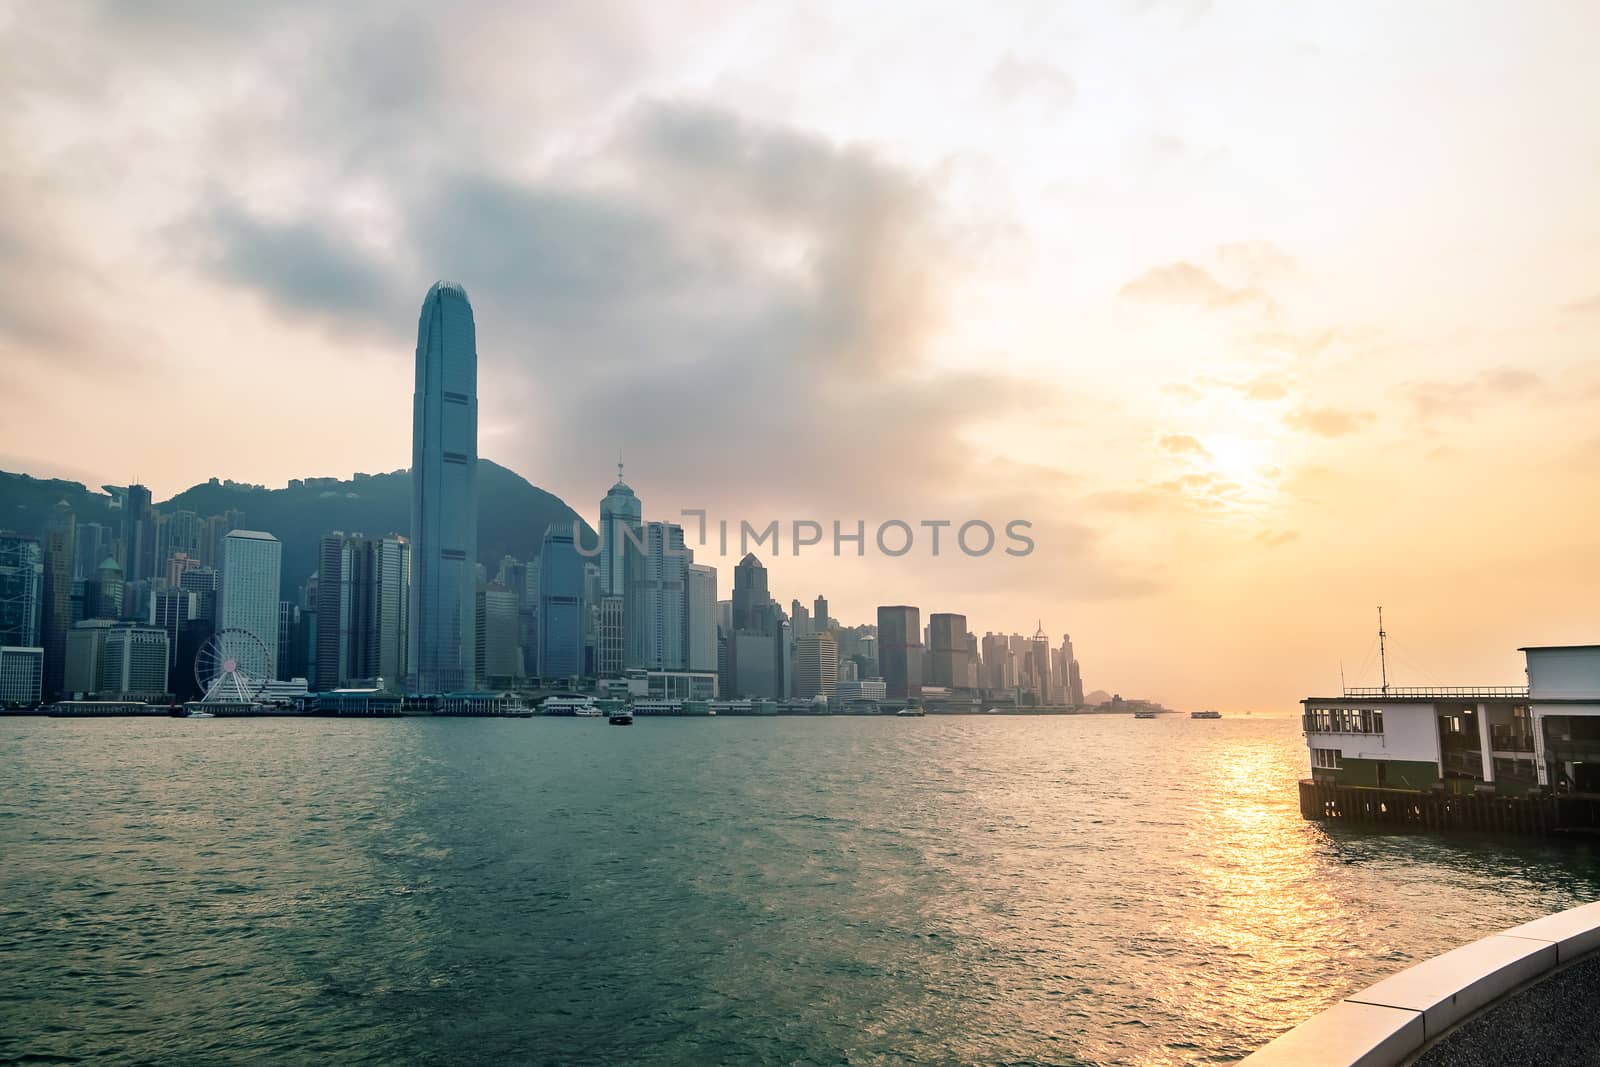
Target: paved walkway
(1553, 1023)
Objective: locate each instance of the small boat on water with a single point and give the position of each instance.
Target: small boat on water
(910, 713)
(621, 718)
(584, 707)
(1144, 715)
(196, 713)
(1205, 715)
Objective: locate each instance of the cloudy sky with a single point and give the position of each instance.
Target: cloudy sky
(1261, 318)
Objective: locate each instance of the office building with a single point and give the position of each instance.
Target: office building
(752, 603)
(658, 592)
(116, 660)
(499, 652)
(170, 611)
(622, 542)
(138, 534)
(819, 614)
(247, 596)
(93, 542)
(56, 600)
(900, 651)
(444, 495)
(816, 666)
(560, 606)
(700, 616)
(21, 676)
(21, 590)
(863, 691)
(947, 652)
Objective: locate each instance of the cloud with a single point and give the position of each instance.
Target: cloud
(1328, 422)
(1014, 78)
(1587, 306)
(1181, 444)
(1272, 539)
(1186, 283)
(1436, 399)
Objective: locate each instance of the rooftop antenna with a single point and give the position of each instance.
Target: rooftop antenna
(1342, 686)
(619, 464)
(1383, 658)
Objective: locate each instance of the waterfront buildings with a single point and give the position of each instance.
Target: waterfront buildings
(116, 660)
(444, 494)
(621, 546)
(700, 617)
(1506, 740)
(247, 596)
(560, 606)
(816, 666)
(900, 650)
(752, 603)
(362, 601)
(499, 652)
(21, 590)
(658, 591)
(865, 690)
(819, 613)
(947, 659)
(21, 675)
(56, 598)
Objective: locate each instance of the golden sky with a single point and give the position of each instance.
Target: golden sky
(1261, 317)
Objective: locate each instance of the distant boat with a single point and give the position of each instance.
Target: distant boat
(582, 706)
(1144, 715)
(621, 718)
(1205, 715)
(196, 713)
(910, 713)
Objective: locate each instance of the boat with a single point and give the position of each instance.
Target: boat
(583, 707)
(621, 718)
(910, 713)
(196, 713)
(1205, 715)
(1144, 715)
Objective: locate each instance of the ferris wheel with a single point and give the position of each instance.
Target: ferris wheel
(232, 667)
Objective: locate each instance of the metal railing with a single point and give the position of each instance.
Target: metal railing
(1498, 692)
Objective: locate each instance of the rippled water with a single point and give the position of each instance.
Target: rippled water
(939, 890)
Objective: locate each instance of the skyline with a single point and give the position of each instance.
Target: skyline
(1237, 426)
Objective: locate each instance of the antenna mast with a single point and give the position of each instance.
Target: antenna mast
(1383, 657)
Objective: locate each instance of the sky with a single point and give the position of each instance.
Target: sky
(1259, 317)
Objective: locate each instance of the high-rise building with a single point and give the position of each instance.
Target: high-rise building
(621, 550)
(610, 639)
(139, 534)
(93, 543)
(170, 610)
(21, 676)
(819, 614)
(799, 617)
(444, 494)
(181, 533)
(21, 590)
(947, 654)
(752, 604)
(362, 597)
(103, 594)
(700, 616)
(116, 659)
(560, 606)
(56, 601)
(1039, 661)
(499, 653)
(659, 593)
(997, 663)
(247, 598)
(816, 665)
(1072, 681)
(900, 650)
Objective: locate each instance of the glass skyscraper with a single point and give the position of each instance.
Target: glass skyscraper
(560, 606)
(444, 494)
(247, 598)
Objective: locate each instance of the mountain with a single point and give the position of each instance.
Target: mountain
(512, 513)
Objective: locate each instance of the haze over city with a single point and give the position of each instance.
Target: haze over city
(1260, 319)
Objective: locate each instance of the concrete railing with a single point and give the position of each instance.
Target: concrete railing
(1386, 1023)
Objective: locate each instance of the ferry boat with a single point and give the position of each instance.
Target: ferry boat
(910, 713)
(196, 713)
(622, 718)
(1205, 715)
(584, 707)
(1144, 715)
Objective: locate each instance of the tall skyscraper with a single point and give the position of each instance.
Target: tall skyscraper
(700, 616)
(1072, 681)
(444, 494)
(499, 654)
(659, 594)
(816, 665)
(819, 614)
(247, 598)
(56, 610)
(752, 604)
(947, 658)
(139, 534)
(900, 651)
(362, 606)
(560, 606)
(1039, 655)
(21, 590)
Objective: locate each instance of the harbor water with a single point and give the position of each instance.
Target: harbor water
(983, 889)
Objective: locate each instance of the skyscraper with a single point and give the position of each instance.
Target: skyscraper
(900, 651)
(659, 593)
(700, 616)
(247, 598)
(362, 596)
(444, 493)
(139, 534)
(752, 604)
(56, 601)
(819, 614)
(21, 588)
(816, 665)
(560, 606)
(499, 654)
(947, 659)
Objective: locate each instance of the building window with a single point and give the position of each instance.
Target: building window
(1343, 721)
(1325, 759)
